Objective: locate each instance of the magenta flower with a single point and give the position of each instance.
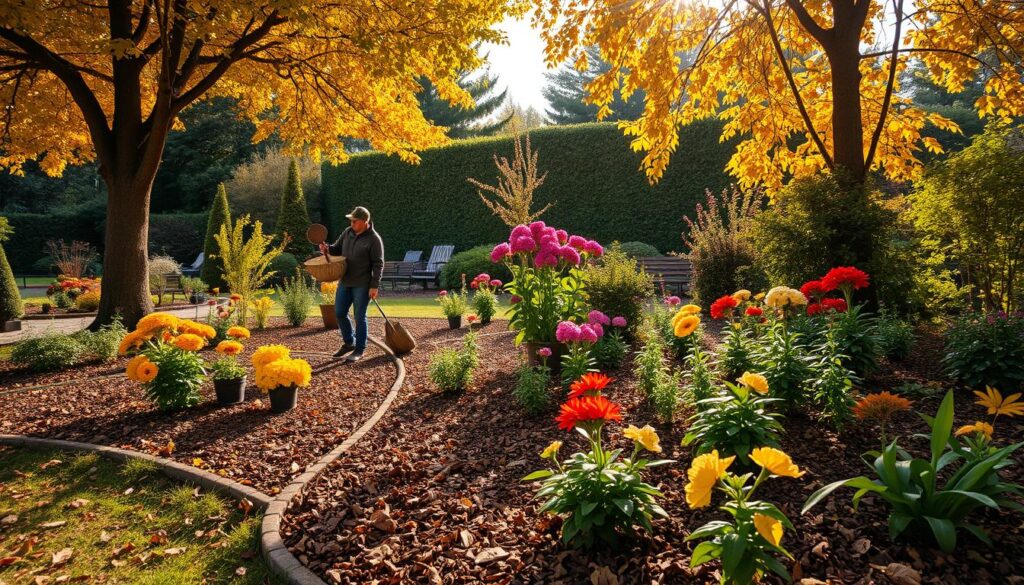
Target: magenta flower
(549, 247)
(483, 276)
(543, 259)
(568, 332)
(577, 242)
(563, 236)
(619, 322)
(570, 255)
(598, 328)
(598, 317)
(443, 293)
(523, 244)
(515, 299)
(537, 229)
(672, 300)
(544, 352)
(593, 248)
(495, 283)
(500, 251)
(588, 334)
(520, 231)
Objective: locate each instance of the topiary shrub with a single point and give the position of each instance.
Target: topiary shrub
(472, 262)
(11, 306)
(88, 301)
(292, 216)
(618, 286)
(212, 272)
(639, 249)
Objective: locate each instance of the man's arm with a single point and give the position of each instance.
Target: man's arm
(335, 248)
(376, 261)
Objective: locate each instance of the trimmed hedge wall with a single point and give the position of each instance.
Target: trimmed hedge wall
(593, 179)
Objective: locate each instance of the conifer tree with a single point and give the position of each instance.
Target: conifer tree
(10, 299)
(292, 216)
(220, 214)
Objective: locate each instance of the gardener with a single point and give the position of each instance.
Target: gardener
(363, 250)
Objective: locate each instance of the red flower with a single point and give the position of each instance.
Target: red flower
(592, 382)
(814, 309)
(586, 409)
(845, 276)
(837, 305)
(723, 306)
(754, 311)
(474, 285)
(815, 289)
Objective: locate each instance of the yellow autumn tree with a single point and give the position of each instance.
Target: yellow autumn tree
(106, 80)
(804, 85)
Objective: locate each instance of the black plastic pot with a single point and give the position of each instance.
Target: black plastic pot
(229, 391)
(283, 398)
(197, 298)
(455, 322)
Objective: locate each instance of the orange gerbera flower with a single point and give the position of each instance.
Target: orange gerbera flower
(589, 384)
(586, 409)
(880, 406)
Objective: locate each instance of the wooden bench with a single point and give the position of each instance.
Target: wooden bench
(439, 256)
(672, 271)
(399, 272)
(170, 283)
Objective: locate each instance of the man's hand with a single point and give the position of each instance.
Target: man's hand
(373, 293)
(323, 248)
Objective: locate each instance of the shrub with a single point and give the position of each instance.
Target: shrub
(734, 422)
(11, 306)
(159, 268)
(783, 361)
(452, 369)
(261, 311)
(88, 301)
(736, 352)
(453, 304)
(638, 249)
(470, 262)
(717, 245)
(281, 266)
(246, 260)
(617, 285)
(102, 344)
(72, 260)
(895, 336)
(297, 296)
(49, 352)
(256, 186)
(212, 271)
(292, 215)
(831, 385)
(485, 304)
(665, 396)
(609, 351)
(532, 388)
(857, 340)
(986, 351)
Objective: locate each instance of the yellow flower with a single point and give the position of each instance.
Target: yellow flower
(741, 295)
(796, 298)
(759, 296)
(978, 427)
(269, 353)
(704, 472)
(993, 400)
(283, 372)
(238, 332)
(229, 347)
(775, 461)
(551, 450)
(685, 326)
(646, 437)
(133, 366)
(687, 310)
(189, 342)
(156, 321)
(146, 372)
(754, 381)
(780, 296)
(200, 329)
(132, 341)
(769, 528)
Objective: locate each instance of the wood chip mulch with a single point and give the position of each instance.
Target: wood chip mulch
(244, 442)
(433, 493)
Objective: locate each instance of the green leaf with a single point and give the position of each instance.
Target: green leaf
(860, 482)
(943, 426)
(625, 505)
(732, 552)
(538, 475)
(587, 508)
(704, 552)
(944, 530)
(898, 523)
(714, 527)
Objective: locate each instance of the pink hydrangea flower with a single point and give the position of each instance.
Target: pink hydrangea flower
(544, 352)
(563, 236)
(500, 251)
(619, 322)
(443, 293)
(523, 244)
(520, 231)
(549, 247)
(577, 242)
(482, 276)
(598, 317)
(543, 259)
(593, 248)
(495, 283)
(672, 300)
(568, 332)
(588, 334)
(570, 255)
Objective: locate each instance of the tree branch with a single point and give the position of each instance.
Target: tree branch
(807, 21)
(890, 84)
(140, 29)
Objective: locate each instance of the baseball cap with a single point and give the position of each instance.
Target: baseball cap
(359, 213)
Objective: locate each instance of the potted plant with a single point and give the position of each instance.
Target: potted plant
(229, 376)
(280, 376)
(327, 292)
(485, 297)
(167, 364)
(453, 305)
(194, 289)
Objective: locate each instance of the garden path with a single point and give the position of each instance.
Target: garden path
(37, 327)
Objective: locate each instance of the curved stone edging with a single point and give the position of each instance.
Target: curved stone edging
(275, 553)
(168, 467)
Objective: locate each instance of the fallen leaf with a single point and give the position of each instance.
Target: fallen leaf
(105, 536)
(8, 561)
(158, 537)
(490, 555)
(56, 524)
(383, 522)
(50, 463)
(128, 491)
(167, 449)
(174, 551)
(245, 506)
(78, 503)
(127, 548)
(26, 547)
(10, 519)
(860, 546)
(62, 556)
(240, 571)
(902, 574)
(603, 576)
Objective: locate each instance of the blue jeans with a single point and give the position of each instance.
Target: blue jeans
(357, 297)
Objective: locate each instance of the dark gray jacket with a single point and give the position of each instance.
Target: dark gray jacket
(364, 256)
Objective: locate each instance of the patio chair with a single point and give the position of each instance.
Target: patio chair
(412, 256)
(196, 266)
(399, 272)
(439, 256)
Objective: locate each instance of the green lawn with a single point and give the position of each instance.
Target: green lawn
(398, 305)
(89, 518)
(30, 280)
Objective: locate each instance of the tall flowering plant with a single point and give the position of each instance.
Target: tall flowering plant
(547, 284)
(485, 296)
(580, 341)
(166, 363)
(600, 495)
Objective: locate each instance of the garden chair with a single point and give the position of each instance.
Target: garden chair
(196, 266)
(171, 284)
(673, 271)
(439, 256)
(412, 256)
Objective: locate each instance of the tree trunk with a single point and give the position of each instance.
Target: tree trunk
(847, 125)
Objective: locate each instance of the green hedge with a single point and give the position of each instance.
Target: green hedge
(593, 179)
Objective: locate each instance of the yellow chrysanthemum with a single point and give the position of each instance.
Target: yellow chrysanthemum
(755, 381)
(155, 321)
(146, 372)
(551, 450)
(238, 332)
(269, 353)
(133, 365)
(686, 310)
(993, 400)
(741, 295)
(646, 437)
(775, 461)
(189, 342)
(685, 326)
(200, 329)
(796, 298)
(132, 341)
(978, 427)
(228, 347)
(704, 472)
(759, 296)
(769, 528)
(283, 372)
(780, 297)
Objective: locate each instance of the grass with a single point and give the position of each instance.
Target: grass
(123, 523)
(34, 280)
(397, 304)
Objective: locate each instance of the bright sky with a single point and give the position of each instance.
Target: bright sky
(519, 65)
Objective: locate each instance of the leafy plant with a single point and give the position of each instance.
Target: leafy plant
(649, 362)
(532, 388)
(261, 310)
(895, 336)
(453, 304)
(297, 296)
(472, 261)
(485, 303)
(986, 350)
(932, 494)
(192, 285)
(103, 344)
(580, 341)
(701, 384)
(452, 369)
(179, 377)
(618, 285)
(831, 385)
(636, 249)
(736, 352)
(665, 395)
(734, 421)
(48, 353)
(857, 340)
(610, 350)
(227, 368)
(246, 260)
(512, 198)
(781, 360)
(167, 365)
(88, 301)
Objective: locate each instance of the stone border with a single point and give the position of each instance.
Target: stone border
(172, 469)
(275, 553)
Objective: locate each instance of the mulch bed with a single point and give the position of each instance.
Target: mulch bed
(244, 442)
(433, 493)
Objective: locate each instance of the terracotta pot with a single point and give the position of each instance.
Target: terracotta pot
(554, 360)
(229, 391)
(283, 398)
(455, 322)
(330, 317)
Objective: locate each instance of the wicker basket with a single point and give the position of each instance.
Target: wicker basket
(319, 268)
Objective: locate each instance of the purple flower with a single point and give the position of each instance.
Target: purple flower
(515, 299)
(523, 244)
(570, 255)
(598, 317)
(563, 236)
(537, 229)
(619, 322)
(495, 283)
(588, 334)
(593, 248)
(672, 300)
(568, 332)
(544, 352)
(520, 231)
(500, 251)
(577, 242)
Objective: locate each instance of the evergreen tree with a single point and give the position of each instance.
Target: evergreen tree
(566, 89)
(293, 217)
(220, 214)
(10, 299)
(465, 123)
